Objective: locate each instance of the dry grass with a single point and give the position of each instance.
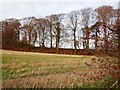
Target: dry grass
(26, 69)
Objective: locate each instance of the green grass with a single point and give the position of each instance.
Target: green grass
(26, 69)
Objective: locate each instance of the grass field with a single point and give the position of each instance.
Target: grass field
(27, 69)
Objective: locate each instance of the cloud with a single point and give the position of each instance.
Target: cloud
(60, 1)
(26, 9)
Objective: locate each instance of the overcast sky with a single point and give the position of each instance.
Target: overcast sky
(40, 8)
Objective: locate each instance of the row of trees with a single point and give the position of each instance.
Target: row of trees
(78, 28)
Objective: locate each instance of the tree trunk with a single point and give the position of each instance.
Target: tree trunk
(51, 38)
(18, 35)
(96, 40)
(57, 36)
(43, 38)
(84, 40)
(105, 39)
(57, 43)
(29, 41)
(51, 33)
(75, 48)
(35, 38)
(87, 40)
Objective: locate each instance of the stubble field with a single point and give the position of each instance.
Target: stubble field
(31, 70)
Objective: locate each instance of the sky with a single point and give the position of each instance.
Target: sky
(40, 8)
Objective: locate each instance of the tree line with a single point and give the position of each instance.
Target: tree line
(78, 28)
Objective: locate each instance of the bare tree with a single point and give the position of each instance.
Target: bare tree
(42, 26)
(10, 33)
(28, 27)
(51, 36)
(88, 19)
(105, 13)
(57, 29)
(95, 29)
(73, 18)
(52, 19)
